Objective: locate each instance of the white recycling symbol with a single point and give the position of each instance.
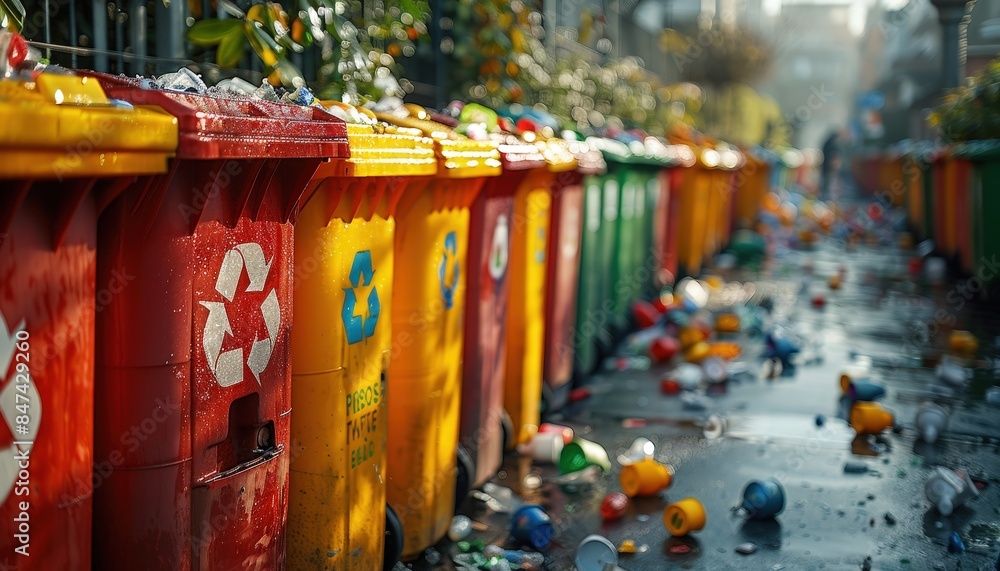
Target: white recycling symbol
(499, 250)
(9, 410)
(228, 366)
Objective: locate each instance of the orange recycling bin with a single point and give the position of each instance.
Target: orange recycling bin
(193, 374)
(341, 346)
(428, 322)
(698, 183)
(721, 202)
(753, 182)
(67, 151)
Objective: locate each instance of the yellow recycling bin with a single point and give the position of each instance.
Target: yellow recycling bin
(432, 227)
(341, 343)
(525, 330)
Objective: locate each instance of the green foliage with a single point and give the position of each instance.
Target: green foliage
(972, 112)
(358, 44)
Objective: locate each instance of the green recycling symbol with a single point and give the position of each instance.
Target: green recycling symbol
(358, 327)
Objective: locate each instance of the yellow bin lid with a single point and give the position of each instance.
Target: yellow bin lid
(458, 156)
(557, 155)
(65, 126)
(378, 149)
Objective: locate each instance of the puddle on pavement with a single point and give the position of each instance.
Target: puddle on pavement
(789, 429)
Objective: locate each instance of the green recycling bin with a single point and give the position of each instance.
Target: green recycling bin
(594, 311)
(984, 207)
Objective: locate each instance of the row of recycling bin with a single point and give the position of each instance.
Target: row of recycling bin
(240, 333)
(949, 194)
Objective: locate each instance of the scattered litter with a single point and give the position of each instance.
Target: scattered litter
(522, 559)
(645, 478)
(641, 449)
(594, 553)
(763, 499)
(626, 364)
(679, 549)
(626, 546)
(890, 519)
(746, 548)
(948, 490)
(955, 543)
(684, 517)
(931, 421)
(993, 395)
(715, 427)
(614, 506)
(544, 447)
(461, 527)
(498, 498)
(532, 526)
(694, 401)
(952, 374)
(433, 556)
(870, 418)
(855, 468)
(862, 391)
(585, 477)
(580, 454)
(963, 343)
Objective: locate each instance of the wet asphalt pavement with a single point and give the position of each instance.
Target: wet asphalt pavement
(832, 520)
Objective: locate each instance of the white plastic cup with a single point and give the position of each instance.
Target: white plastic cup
(544, 447)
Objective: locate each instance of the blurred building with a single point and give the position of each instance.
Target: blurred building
(982, 35)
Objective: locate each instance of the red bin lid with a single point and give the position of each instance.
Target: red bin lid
(213, 127)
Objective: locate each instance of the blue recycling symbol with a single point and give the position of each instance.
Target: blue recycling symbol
(358, 327)
(450, 251)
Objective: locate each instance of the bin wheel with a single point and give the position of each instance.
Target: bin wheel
(507, 429)
(393, 547)
(465, 471)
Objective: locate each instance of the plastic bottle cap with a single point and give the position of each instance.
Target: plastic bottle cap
(683, 517)
(870, 418)
(644, 478)
(763, 499)
(594, 552)
(530, 524)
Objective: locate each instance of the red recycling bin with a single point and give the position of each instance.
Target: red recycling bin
(483, 423)
(66, 151)
(563, 271)
(193, 373)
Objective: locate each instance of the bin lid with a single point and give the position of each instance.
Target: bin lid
(65, 126)
(613, 151)
(978, 151)
(518, 154)
(589, 159)
(557, 155)
(458, 156)
(377, 148)
(219, 127)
